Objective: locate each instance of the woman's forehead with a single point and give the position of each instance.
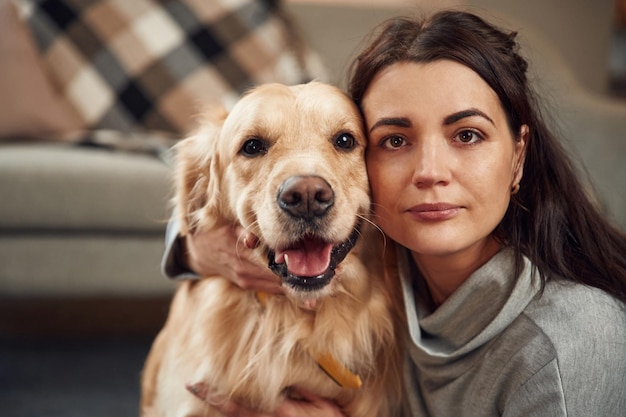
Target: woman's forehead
(446, 85)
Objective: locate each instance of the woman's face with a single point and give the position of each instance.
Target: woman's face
(441, 158)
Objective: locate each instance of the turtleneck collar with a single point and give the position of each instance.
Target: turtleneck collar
(486, 303)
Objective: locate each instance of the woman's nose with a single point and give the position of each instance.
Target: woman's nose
(431, 163)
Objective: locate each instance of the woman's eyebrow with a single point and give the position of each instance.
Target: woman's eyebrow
(392, 121)
(455, 117)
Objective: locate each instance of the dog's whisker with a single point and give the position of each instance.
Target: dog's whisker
(367, 220)
(378, 229)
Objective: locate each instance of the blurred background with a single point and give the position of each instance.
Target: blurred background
(617, 54)
(93, 94)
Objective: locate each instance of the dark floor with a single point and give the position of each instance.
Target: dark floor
(71, 377)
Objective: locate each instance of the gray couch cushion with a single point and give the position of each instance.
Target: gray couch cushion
(98, 265)
(59, 187)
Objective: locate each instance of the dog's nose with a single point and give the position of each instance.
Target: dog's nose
(306, 196)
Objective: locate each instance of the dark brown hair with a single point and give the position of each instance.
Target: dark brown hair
(551, 220)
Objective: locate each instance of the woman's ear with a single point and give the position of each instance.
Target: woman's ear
(520, 155)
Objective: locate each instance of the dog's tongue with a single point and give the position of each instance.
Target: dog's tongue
(309, 258)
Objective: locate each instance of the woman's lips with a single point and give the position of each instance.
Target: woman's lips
(434, 212)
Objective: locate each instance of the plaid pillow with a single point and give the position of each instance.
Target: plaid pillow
(135, 65)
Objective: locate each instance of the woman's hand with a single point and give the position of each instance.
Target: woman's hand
(227, 251)
(307, 405)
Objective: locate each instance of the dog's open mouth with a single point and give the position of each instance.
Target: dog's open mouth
(309, 264)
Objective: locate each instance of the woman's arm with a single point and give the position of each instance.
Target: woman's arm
(226, 251)
(306, 404)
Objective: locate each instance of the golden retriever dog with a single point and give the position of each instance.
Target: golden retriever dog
(287, 163)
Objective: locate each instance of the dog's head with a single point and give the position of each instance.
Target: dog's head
(286, 163)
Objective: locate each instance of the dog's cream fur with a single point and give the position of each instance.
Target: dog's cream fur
(221, 335)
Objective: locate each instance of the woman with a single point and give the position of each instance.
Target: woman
(514, 284)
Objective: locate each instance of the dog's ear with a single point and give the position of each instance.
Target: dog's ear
(197, 176)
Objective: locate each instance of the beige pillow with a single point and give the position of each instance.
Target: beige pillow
(29, 106)
(143, 65)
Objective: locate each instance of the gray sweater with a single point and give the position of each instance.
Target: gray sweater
(497, 347)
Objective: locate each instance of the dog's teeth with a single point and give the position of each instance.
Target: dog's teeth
(286, 259)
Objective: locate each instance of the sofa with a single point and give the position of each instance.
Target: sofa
(85, 191)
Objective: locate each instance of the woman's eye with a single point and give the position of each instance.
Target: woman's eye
(345, 141)
(469, 136)
(254, 147)
(393, 142)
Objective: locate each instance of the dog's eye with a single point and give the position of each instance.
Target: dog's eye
(254, 147)
(345, 141)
